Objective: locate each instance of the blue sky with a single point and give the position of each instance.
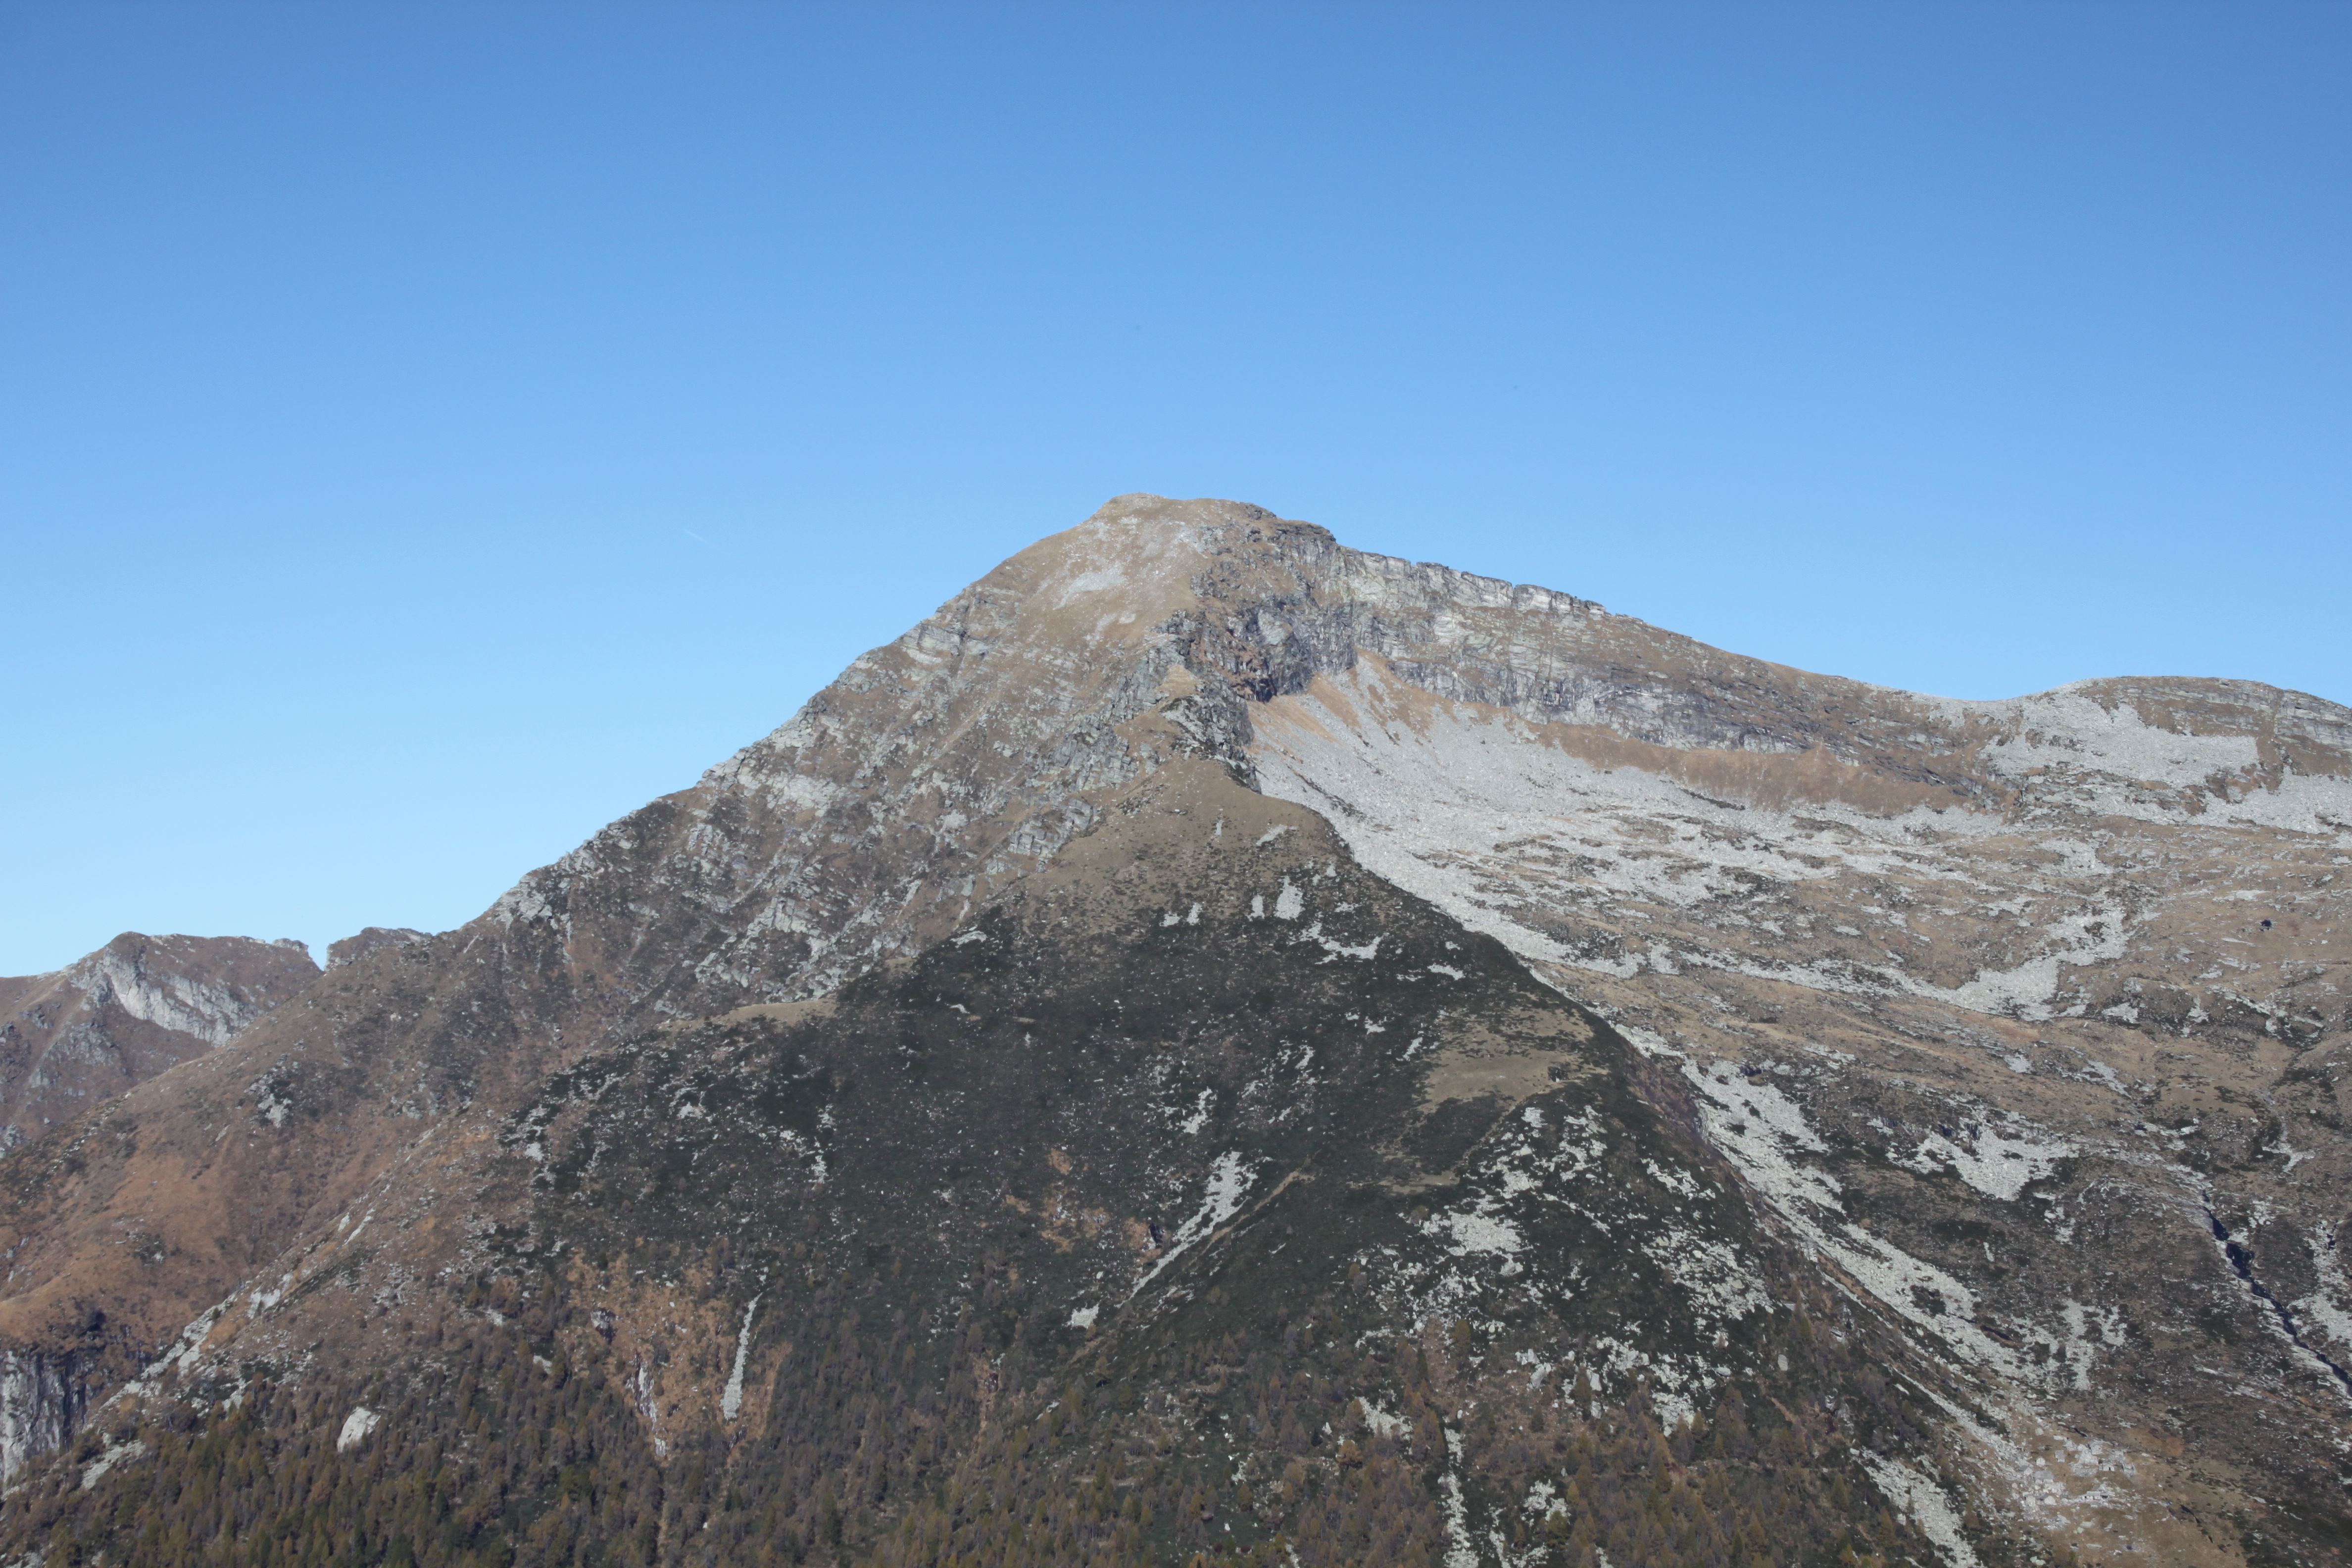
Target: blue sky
(427, 432)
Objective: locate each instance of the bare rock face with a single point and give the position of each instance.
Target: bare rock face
(360, 943)
(41, 1404)
(1215, 1042)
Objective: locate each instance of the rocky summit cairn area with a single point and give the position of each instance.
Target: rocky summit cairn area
(1215, 1049)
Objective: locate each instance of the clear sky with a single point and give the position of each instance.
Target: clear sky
(427, 432)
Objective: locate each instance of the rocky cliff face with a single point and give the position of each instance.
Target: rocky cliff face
(40, 1407)
(1219, 1043)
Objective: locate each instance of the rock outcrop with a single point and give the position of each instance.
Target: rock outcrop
(359, 943)
(41, 1399)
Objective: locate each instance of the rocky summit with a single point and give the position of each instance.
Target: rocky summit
(124, 1014)
(1218, 1048)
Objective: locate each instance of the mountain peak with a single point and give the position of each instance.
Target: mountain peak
(1218, 1043)
(118, 1016)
